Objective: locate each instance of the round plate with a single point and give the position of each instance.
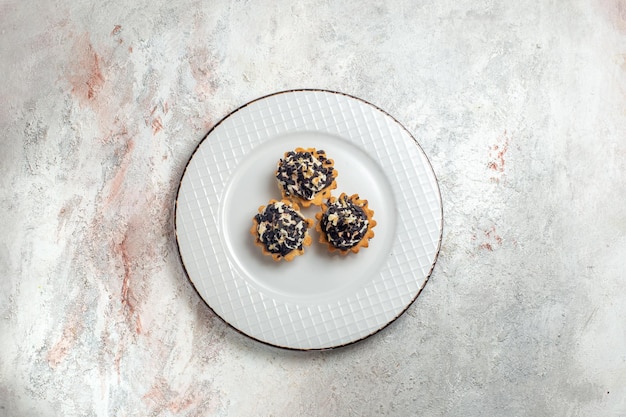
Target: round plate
(319, 300)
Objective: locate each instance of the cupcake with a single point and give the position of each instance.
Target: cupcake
(345, 224)
(280, 230)
(306, 176)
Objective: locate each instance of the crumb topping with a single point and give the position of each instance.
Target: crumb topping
(280, 228)
(344, 223)
(303, 174)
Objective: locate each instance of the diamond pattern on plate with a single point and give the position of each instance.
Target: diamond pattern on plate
(309, 325)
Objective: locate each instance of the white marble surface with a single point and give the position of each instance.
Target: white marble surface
(520, 107)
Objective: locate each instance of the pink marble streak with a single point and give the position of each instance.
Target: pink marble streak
(615, 11)
(161, 397)
(131, 222)
(72, 330)
(98, 82)
(86, 76)
(497, 153)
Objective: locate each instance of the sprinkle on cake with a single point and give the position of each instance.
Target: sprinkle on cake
(281, 230)
(306, 176)
(345, 223)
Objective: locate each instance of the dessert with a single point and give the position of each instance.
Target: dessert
(280, 230)
(345, 224)
(306, 176)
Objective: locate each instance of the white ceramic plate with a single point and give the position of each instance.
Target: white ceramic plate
(319, 300)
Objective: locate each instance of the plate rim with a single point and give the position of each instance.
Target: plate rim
(341, 345)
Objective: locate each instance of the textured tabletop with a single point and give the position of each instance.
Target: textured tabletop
(521, 109)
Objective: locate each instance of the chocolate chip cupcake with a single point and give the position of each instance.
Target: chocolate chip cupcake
(345, 224)
(280, 230)
(306, 176)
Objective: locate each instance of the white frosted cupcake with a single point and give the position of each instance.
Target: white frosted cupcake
(280, 230)
(306, 176)
(345, 224)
